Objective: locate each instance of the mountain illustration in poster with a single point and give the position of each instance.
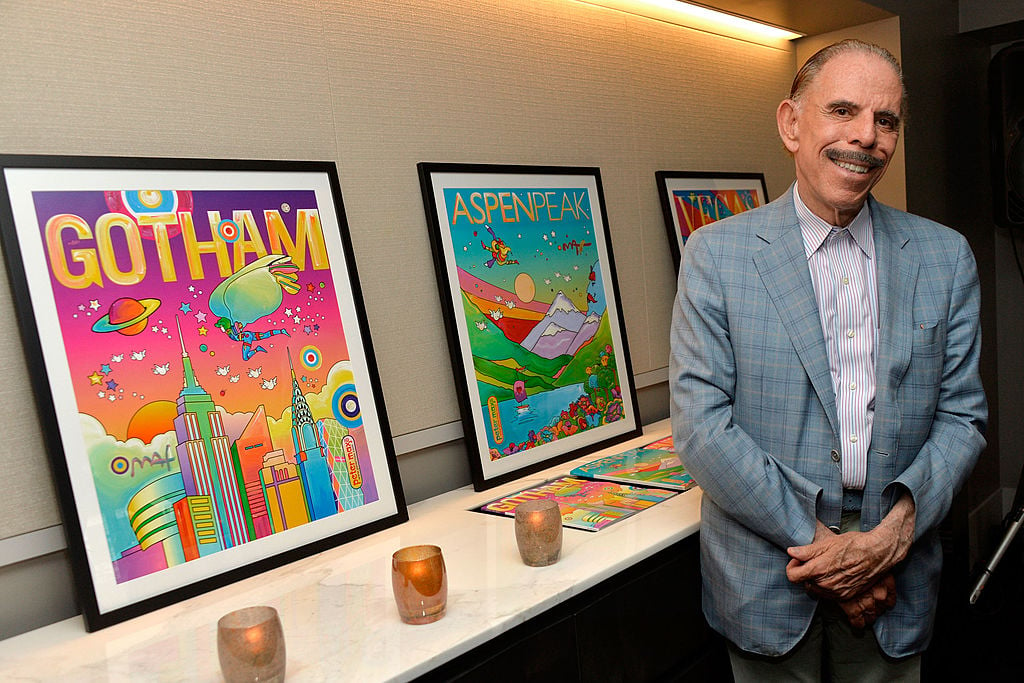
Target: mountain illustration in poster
(533, 299)
(205, 345)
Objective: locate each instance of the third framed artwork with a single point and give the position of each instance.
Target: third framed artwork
(690, 200)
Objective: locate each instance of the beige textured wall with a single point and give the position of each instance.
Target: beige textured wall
(378, 87)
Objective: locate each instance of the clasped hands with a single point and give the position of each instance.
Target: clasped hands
(855, 569)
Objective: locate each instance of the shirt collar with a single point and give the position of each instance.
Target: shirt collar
(815, 230)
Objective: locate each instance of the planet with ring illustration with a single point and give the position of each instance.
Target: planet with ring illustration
(127, 316)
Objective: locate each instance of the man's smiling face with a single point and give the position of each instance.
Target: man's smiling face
(842, 132)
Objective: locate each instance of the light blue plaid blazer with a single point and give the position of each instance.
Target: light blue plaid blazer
(754, 412)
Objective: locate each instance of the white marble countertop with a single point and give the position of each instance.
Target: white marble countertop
(339, 617)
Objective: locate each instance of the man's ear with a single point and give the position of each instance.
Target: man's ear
(786, 117)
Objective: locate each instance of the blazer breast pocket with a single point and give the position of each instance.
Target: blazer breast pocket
(927, 337)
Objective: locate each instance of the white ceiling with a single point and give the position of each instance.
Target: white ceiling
(810, 17)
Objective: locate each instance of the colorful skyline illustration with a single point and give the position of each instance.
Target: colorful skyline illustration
(209, 364)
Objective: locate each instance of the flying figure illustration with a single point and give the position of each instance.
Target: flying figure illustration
(254, 292)
(500, 251)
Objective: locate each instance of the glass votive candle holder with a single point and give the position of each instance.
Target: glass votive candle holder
(539, 532)
(250, 645)
(420, 583)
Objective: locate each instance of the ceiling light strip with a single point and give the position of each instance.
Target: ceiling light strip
(701, 18)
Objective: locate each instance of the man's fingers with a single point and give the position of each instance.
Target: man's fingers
(853, 612)
(864, 609)
(799, 571)
(803, 552)
(889, 581)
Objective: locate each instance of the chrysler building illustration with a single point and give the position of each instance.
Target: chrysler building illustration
(310, 457)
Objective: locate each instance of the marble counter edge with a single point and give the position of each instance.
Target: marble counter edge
(647, 534)
(495, 629)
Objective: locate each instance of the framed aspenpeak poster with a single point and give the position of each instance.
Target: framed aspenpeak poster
(690, 200)
(527, 281)
(203, 368)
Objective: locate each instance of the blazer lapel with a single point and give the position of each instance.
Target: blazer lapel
(897, 271)
(897, 281)
(782, 265)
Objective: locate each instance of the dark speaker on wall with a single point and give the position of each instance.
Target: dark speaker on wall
(1006, 93)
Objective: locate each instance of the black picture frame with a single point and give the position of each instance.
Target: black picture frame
(692, 199)
(93, 254)
(543, 374)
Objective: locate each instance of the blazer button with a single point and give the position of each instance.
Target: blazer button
(835, 455)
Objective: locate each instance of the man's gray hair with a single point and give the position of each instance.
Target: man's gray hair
(813, 66)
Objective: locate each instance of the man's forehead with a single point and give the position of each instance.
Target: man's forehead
(859, 79)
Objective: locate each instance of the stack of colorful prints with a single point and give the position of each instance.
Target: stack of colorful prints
(653, 464)
(584, 503)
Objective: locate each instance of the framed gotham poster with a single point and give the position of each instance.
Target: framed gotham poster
(691, 199)
(202, 365)
(527, 281)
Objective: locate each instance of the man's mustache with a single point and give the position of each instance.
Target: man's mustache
(861, 158)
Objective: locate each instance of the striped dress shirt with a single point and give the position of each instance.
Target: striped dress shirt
(842, 266)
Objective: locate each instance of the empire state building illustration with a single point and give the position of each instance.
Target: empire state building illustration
(234, 489)
(204, 453)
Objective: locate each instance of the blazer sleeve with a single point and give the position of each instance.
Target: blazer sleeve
(747, 483)
(956, 439)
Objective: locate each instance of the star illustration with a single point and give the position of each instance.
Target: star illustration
(200, 316)
(95, 378)
(307, 329)
(202, 331)
(105, 369)
(94, 304)
(111, 384)
(185, 307)
(309, 287)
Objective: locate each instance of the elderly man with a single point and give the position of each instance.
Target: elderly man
(826, 396)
